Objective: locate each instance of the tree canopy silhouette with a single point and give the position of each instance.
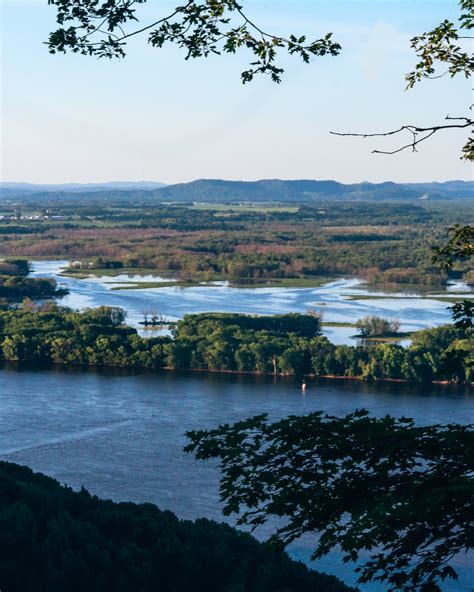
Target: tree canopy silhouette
(200, 27)
(399, 492)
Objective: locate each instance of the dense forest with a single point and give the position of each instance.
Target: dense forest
(384, 245)
(284, 344)
(53, 539)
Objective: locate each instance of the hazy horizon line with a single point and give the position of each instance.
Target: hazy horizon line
(149, 181)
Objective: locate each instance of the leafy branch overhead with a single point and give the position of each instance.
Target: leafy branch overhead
(396, 496)
(102, 28)
(440, 48)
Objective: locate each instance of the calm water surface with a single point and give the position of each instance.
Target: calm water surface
(121, 435)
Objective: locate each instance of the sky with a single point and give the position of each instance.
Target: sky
(154, 116)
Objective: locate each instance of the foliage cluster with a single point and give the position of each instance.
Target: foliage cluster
(17, 287)
(373, 326)
(396, 496)
(19, 267)
(199, 27)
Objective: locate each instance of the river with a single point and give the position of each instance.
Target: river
(121, 435)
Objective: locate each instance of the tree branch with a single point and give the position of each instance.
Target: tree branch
(415, 131)
(200, 27)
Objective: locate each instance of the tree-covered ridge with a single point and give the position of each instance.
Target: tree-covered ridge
(283, 344)
(53, 539)
(221, 190)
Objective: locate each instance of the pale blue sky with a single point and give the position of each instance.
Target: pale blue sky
(154, 116)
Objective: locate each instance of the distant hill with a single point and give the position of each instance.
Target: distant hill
(12, 189)
(218, 190)
(282, 191)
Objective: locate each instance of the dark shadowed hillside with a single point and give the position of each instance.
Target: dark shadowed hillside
(53, 539)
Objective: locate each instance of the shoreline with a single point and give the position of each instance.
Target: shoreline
(61, 365)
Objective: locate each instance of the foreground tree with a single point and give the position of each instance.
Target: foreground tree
(459, 248)
(54, 539)
(438, 49)
(102, 28)
(385, 487)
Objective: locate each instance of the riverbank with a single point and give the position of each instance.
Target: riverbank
(290, 344)
(15, 365)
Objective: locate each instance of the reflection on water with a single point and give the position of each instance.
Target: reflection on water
(121, 434)
(341, 301)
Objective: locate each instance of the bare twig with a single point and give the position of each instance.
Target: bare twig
(419, 134)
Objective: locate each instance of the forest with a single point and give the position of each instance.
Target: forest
(389, 245)
(283, 344)
(54, 539)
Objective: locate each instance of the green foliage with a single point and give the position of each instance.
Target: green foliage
(459, 248)
(200, 28)
(17, 287)
(441, 45)
(53, 539)
(283, 344)
(401, 492)
(463, 314)
(15, 267)
(373, 326)
(316, 240)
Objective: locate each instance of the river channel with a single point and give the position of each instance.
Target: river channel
(341, 301)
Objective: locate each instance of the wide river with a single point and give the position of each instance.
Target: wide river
(121, 434)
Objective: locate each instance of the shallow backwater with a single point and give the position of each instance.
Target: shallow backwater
(340, 301)
(121, 435)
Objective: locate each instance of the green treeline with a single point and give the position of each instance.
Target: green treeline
(53, 539)
(17, 287)
(14, 285)
(285, 344)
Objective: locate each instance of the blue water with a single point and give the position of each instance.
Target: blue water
(121, 435)
(173, 302)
